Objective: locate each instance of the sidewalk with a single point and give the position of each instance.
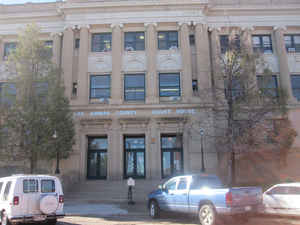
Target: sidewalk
(104, 209)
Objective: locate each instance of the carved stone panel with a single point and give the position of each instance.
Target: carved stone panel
(134, 61)
(100, 62)
(294, 62)
(169, 60)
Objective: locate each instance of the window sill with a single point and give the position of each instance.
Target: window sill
(102, 101)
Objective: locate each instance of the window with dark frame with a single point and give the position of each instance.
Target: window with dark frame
(192, 39)
(134, 41)
(195, 85)
(49, 46)
(268, 85)
(237, 89)
(167, 40)
(134, 87)
(262, 43)
(99, 86)
(295, 80)
(169, 84)
(8, 48)
(171, 155)
(30, 186)
(8, 93)
(101, 42)
(77, 43)
(226, 43)
(292, 42)
(47, 186)
(134, 155)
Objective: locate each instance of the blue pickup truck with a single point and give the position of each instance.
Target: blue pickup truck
(205, 196)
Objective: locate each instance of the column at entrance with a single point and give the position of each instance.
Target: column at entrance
(154, 152)
(115, 159)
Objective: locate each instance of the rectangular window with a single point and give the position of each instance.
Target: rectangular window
(295, 79)
(292, 42)
(8, 48)
(237, 88)
(49, 47)
(195, 85)
(8, 93)
(100, 86)
(101, 42)
(47, 186)
(262, 43)
(134, 87)
(134, 41)
(169, 84)
(268, 85)
(167, 40)
(77, 43)
(6, 191)
(224, 43)
(30, 186)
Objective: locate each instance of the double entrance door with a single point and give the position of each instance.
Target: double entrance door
(97, 158)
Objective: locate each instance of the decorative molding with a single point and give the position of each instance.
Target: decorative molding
(194, 23)
(211, 28)
(113, 25)
(100, 62)
(152, 23)
(134, 61)
(52, 34)
(183, 22)
(244, 28)
(84, 26)
(279, 28)
(169, 60)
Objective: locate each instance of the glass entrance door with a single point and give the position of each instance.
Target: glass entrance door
(97, 158)
(134, 150)
(172, 155)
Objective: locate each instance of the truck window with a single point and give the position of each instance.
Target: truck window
(48, 186)
(6, 190)
(182, 185)
(30, 186)
(171, 185)
(209, 182)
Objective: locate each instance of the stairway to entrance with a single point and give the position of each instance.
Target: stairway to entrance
(103, 191)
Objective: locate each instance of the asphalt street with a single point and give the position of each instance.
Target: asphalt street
(166, 220)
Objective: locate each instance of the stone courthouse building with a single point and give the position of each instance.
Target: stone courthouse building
(135, 73)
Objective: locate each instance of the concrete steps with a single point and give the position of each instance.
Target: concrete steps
(103, 191)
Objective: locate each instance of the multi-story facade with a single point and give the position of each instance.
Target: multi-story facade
(135, 73)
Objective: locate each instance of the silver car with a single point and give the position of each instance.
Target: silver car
(282, 199)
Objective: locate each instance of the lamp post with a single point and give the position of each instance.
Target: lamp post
(202, 153)
(57, 154)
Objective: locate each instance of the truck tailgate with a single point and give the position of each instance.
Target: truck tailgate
(245, 196)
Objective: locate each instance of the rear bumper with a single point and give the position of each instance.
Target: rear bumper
(251, 209)
(28, 219)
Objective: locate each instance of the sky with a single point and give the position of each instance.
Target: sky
(23, 1)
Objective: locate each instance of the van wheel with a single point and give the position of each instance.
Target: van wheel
(4, 219)
(207, 215)
(154, 210)
(51, 222)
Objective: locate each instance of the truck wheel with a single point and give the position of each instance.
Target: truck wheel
(154, 210)
(51, 222)
(207, 215)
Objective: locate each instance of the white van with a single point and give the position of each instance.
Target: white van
(30, 198)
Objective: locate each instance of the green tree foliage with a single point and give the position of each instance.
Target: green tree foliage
(40, 108)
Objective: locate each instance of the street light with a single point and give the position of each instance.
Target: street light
(202, 154)
(57, 154)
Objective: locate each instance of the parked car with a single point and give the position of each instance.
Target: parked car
(205, 196)
(282, 199)
(30, 198)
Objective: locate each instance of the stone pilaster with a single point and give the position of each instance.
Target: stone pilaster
(1, 50)
(203, 59)
(151, 76)
(67, 60)
(56, 37)
(116, 78)
(83, 78)
(246, 39)
(285, 80)
(218, 80)
(154, 151)
(115, 162)
(186, 75)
